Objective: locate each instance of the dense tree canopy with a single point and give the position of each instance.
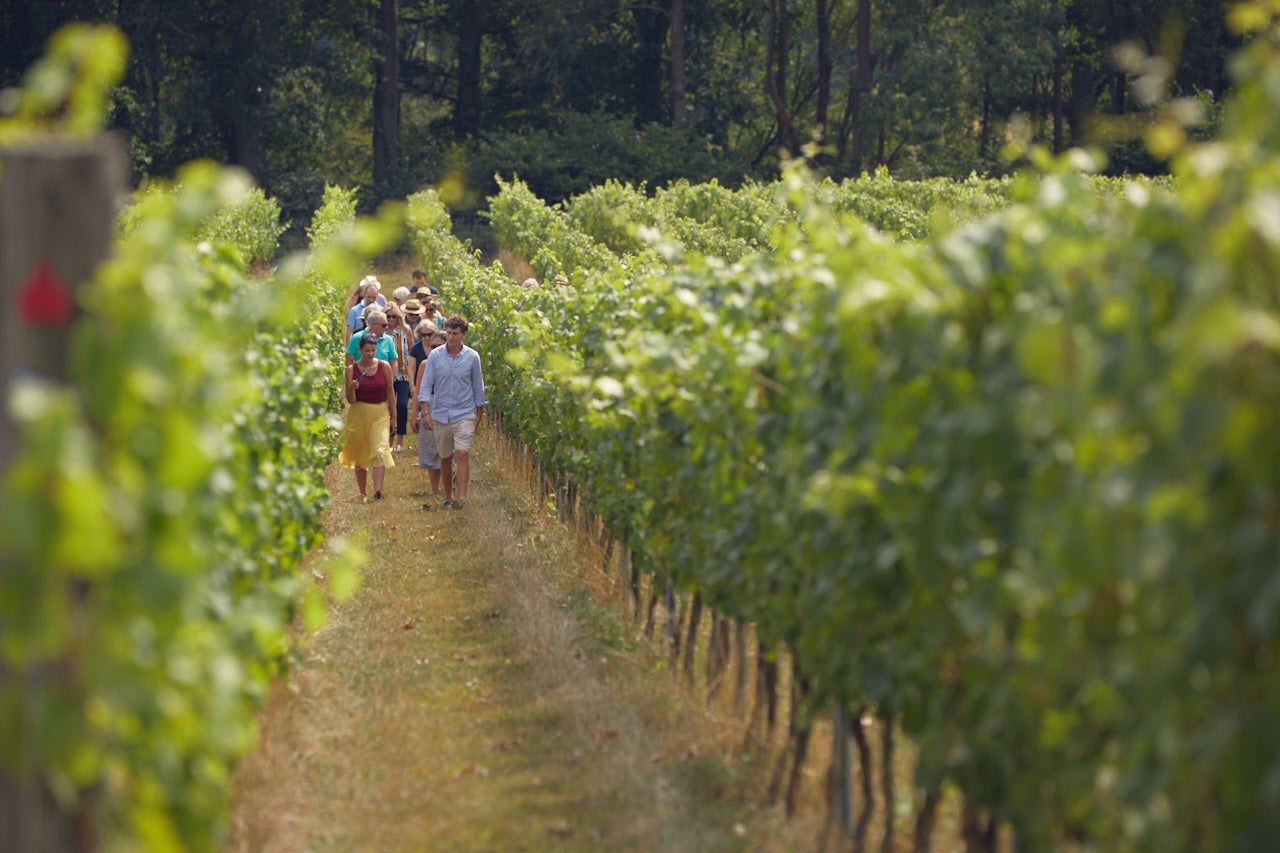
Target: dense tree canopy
(391, 94)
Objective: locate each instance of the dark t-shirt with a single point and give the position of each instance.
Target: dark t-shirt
(418, 353)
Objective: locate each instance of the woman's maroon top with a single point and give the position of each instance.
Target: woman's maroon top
(372, 389)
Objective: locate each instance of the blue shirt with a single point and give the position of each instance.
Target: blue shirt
(452, 385)
(355, 317)
(386, 348)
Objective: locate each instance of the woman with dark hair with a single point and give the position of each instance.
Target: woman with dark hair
(370, 417)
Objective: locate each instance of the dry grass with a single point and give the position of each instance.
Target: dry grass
(471, 697)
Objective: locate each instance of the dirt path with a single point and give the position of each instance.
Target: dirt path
(469, 698)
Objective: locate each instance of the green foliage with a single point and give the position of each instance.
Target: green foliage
(252, 226)
(583, 150)
(69, 88)
(160, 505)
(544, 236)
(249, 224)
(1012, 476)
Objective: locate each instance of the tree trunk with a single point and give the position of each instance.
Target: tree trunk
(824, 67)
(926, 820)
(678, 105)
(691, 635)
(765, 708)
(633, 579)
(839, 776)
(717, 656)
(1079, 102)
(864, 76)
(651, 34)
(243, 119)
(1058, 105)
(653, 606)
(984, 129)
(775, 74)
(386, 96)
(740, 666)
(979, 835)
(466, 113)
(768, 686)
(800, 729)
(674, 618)
(887, 783)
(868, 788)
(1119, 83)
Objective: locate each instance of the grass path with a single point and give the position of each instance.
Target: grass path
(473, 696)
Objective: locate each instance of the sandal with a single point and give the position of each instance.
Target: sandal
(377, 496)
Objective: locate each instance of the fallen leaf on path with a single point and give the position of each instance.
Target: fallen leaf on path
(560, 830)
(608, 735)
(408, 626)
(508, 744)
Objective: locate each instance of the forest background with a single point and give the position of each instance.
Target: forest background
(392, 95)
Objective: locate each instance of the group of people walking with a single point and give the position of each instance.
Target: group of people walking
(409, 369)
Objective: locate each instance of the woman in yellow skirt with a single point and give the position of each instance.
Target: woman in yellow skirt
(370, 418)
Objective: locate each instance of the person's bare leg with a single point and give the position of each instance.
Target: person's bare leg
(379, 475)
(446, 477)
(433, 475)
(464, 472)
(362, 477)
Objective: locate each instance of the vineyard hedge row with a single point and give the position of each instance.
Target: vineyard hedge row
(1015, 483)
(162, 501)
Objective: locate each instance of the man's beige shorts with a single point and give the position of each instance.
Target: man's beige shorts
(457, 434)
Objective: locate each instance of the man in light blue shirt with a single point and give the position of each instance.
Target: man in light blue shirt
(451, 401)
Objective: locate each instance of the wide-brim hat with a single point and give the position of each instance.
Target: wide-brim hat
(413, 306)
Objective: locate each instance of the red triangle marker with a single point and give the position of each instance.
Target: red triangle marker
(44, 299)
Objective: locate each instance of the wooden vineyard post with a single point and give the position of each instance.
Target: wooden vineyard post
(58, 201)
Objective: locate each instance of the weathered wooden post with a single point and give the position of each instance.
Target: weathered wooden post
(58, 200)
